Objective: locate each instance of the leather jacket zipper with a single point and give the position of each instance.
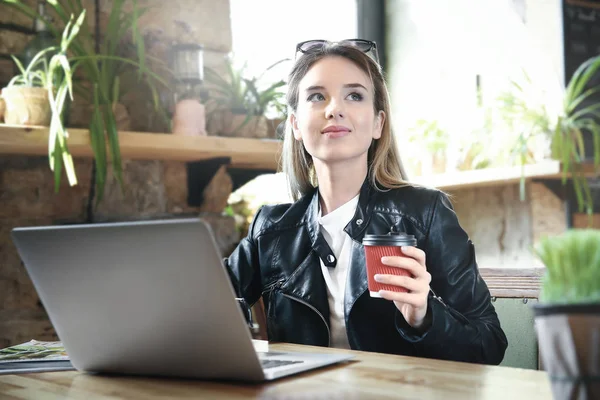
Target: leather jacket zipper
(438, 298)
(452, 311)
(278, 284)
(318, 313)
(272, 286)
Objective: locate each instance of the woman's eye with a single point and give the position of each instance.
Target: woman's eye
(355, 96)
(316, 97)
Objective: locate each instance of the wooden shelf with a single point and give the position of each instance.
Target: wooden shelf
(496, 176)
(244, 152)
(262, 154)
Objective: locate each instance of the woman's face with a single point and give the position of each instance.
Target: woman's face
(335, 118)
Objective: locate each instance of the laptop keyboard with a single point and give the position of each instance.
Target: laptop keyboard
(271, 363)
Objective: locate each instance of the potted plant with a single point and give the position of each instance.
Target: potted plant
(574, 137)
(37, 96)
(567, 317)
(237, 104)
(270, 101)
(577, 125)
(529, 121)
(99, 70)
(473, 156)
(278, 115)
(434, 140)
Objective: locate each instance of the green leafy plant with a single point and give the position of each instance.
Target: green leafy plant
(101, 71)
(519, 115)
(567, 138)
(55, 76)
(244, 95)
(430, 134)
(473, 156)
(572, 262)
(566, 135)
(271, 96)
(279, 108)
(239, 208)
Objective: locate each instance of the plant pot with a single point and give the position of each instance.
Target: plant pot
(438, 161)
(569, 342)
(189, 118)
(26, 106)
(272, 125)
(2, 108)
(227, 123)
(588, 143)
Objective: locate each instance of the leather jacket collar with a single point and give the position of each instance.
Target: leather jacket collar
(355, 227)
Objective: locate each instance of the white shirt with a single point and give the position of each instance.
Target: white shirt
(332, 227)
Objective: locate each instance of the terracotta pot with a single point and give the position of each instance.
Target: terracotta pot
(569, 341)
(227, 123)
(26, 106)
(272, 125)
(189, 118)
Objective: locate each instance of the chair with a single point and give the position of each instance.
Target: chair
(513, 292)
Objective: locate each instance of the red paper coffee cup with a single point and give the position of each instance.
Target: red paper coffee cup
(378, 246)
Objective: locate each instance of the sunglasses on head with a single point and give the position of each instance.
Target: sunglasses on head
(366, 46)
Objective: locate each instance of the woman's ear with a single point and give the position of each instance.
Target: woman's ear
(379, 122)
(293, 121)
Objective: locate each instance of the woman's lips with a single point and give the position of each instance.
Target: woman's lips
(335, 131)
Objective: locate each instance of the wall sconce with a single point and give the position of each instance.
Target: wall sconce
(188, 66)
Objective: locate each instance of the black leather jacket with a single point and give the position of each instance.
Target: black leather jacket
(279, 260)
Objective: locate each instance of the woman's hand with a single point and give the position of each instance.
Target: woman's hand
(412, 304)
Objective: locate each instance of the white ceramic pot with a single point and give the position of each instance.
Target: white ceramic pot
(26, 106)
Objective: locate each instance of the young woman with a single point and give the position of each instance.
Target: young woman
(307, 260)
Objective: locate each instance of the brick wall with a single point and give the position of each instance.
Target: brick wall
(153, 189)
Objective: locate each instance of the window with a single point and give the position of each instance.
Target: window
(450, 61)
(266, 31)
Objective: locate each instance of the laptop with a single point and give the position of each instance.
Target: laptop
(148, 298)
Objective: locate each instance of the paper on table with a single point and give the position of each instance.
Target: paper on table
(260, 346)
(34, 350)
(35, 366)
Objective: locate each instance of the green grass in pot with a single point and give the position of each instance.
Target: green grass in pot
(572, 262)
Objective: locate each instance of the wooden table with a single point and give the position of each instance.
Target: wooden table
(370, 375)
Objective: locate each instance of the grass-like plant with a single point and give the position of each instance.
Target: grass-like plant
(244, 95)
(103, 69)
(55, 76)
(578, 116)
(572, 261)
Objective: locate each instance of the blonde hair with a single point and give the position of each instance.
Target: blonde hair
(385, 169)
